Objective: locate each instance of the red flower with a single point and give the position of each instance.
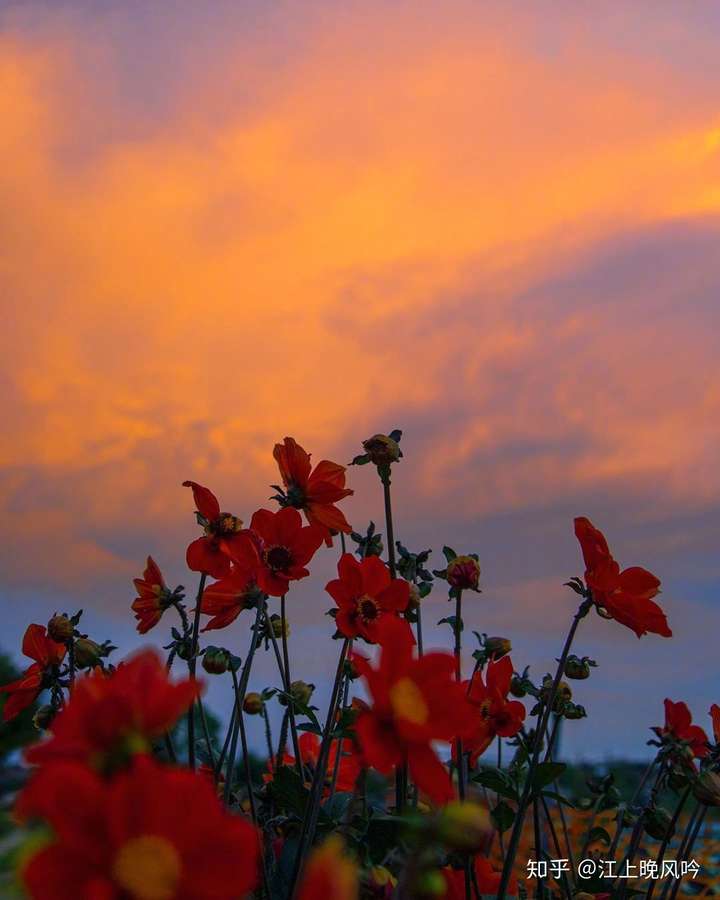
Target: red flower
(277, 547)
(154, 597)
(329, 874)
(348, 768)
(111, 717)
(678, 726)
(316, 491)
(132, 836)
(415, 702)
(209, 554)
(227, 598)
(24, 691)
(626, 595)
(497, 715)
(715, 716)
(365, 595)
(487, 878)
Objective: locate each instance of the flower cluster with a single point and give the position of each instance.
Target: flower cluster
(138, 794)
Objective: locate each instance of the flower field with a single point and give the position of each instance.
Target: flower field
(423, 778)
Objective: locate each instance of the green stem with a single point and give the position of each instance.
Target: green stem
(312, 812)
(542, 726)
(192, 664)
(668, 836)
(284, 667)
(239, 694)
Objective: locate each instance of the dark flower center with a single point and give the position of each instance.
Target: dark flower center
(368, 608)
(225, 523)
(278, 558)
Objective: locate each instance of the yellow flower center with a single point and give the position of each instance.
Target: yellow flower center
(148, 868)
(408, 702)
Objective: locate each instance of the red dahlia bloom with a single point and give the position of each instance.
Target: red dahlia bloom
(329, 874)
(715, 716)
(348, 768)
(365, 595)
(487, 879)
(497, 715)
(24, 691)
(414, 702)
(132, 836)
(626, 595)
(277, 548)
(317, 491)
(111, 717)
(678, 726)
(227, 598)
(209, 554)
(153, 597)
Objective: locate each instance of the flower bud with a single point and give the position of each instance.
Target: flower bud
(463, 573)
(516, 687)
(300, 691)
(253, 704)
(463, 826)
(88, 653)
(216, 660)
(677, 779)
(43, 717)
(573, 711)
(276, 623)
(577, 668)
(413, 598)
(707, 788)
(60, 629)
(658, 823)
(497, 647)
(382, 449)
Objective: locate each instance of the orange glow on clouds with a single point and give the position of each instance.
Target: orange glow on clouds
(426, 222)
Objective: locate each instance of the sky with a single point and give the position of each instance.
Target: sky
(494, 226)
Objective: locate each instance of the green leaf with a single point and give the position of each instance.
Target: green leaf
(496, 780)
(288, 790)
(545, 773)
(503, 817)
(449, 553)
(362, 460)
(395, 435)
(558, 798)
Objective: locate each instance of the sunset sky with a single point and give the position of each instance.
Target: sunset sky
(494, 225)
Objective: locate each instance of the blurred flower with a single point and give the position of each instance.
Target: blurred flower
(153, 597)
(110, 717)
(226, 598)
(277, 547)
(315, 492)
(209, 554)
(329, 873)
(414, 702)
(24, 691)
(348, 768)
(626, 595)
(365, 594)
(495, 715)
(132, 836)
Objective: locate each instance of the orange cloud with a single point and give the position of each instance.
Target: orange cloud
(375, 233)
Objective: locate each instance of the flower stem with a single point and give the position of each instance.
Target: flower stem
(542, 726)
(192, 664)
(668, 836)
(385, 478)
(239, 694)
(307, 835)
(268, 737)
(284, 666)
(418, 628)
